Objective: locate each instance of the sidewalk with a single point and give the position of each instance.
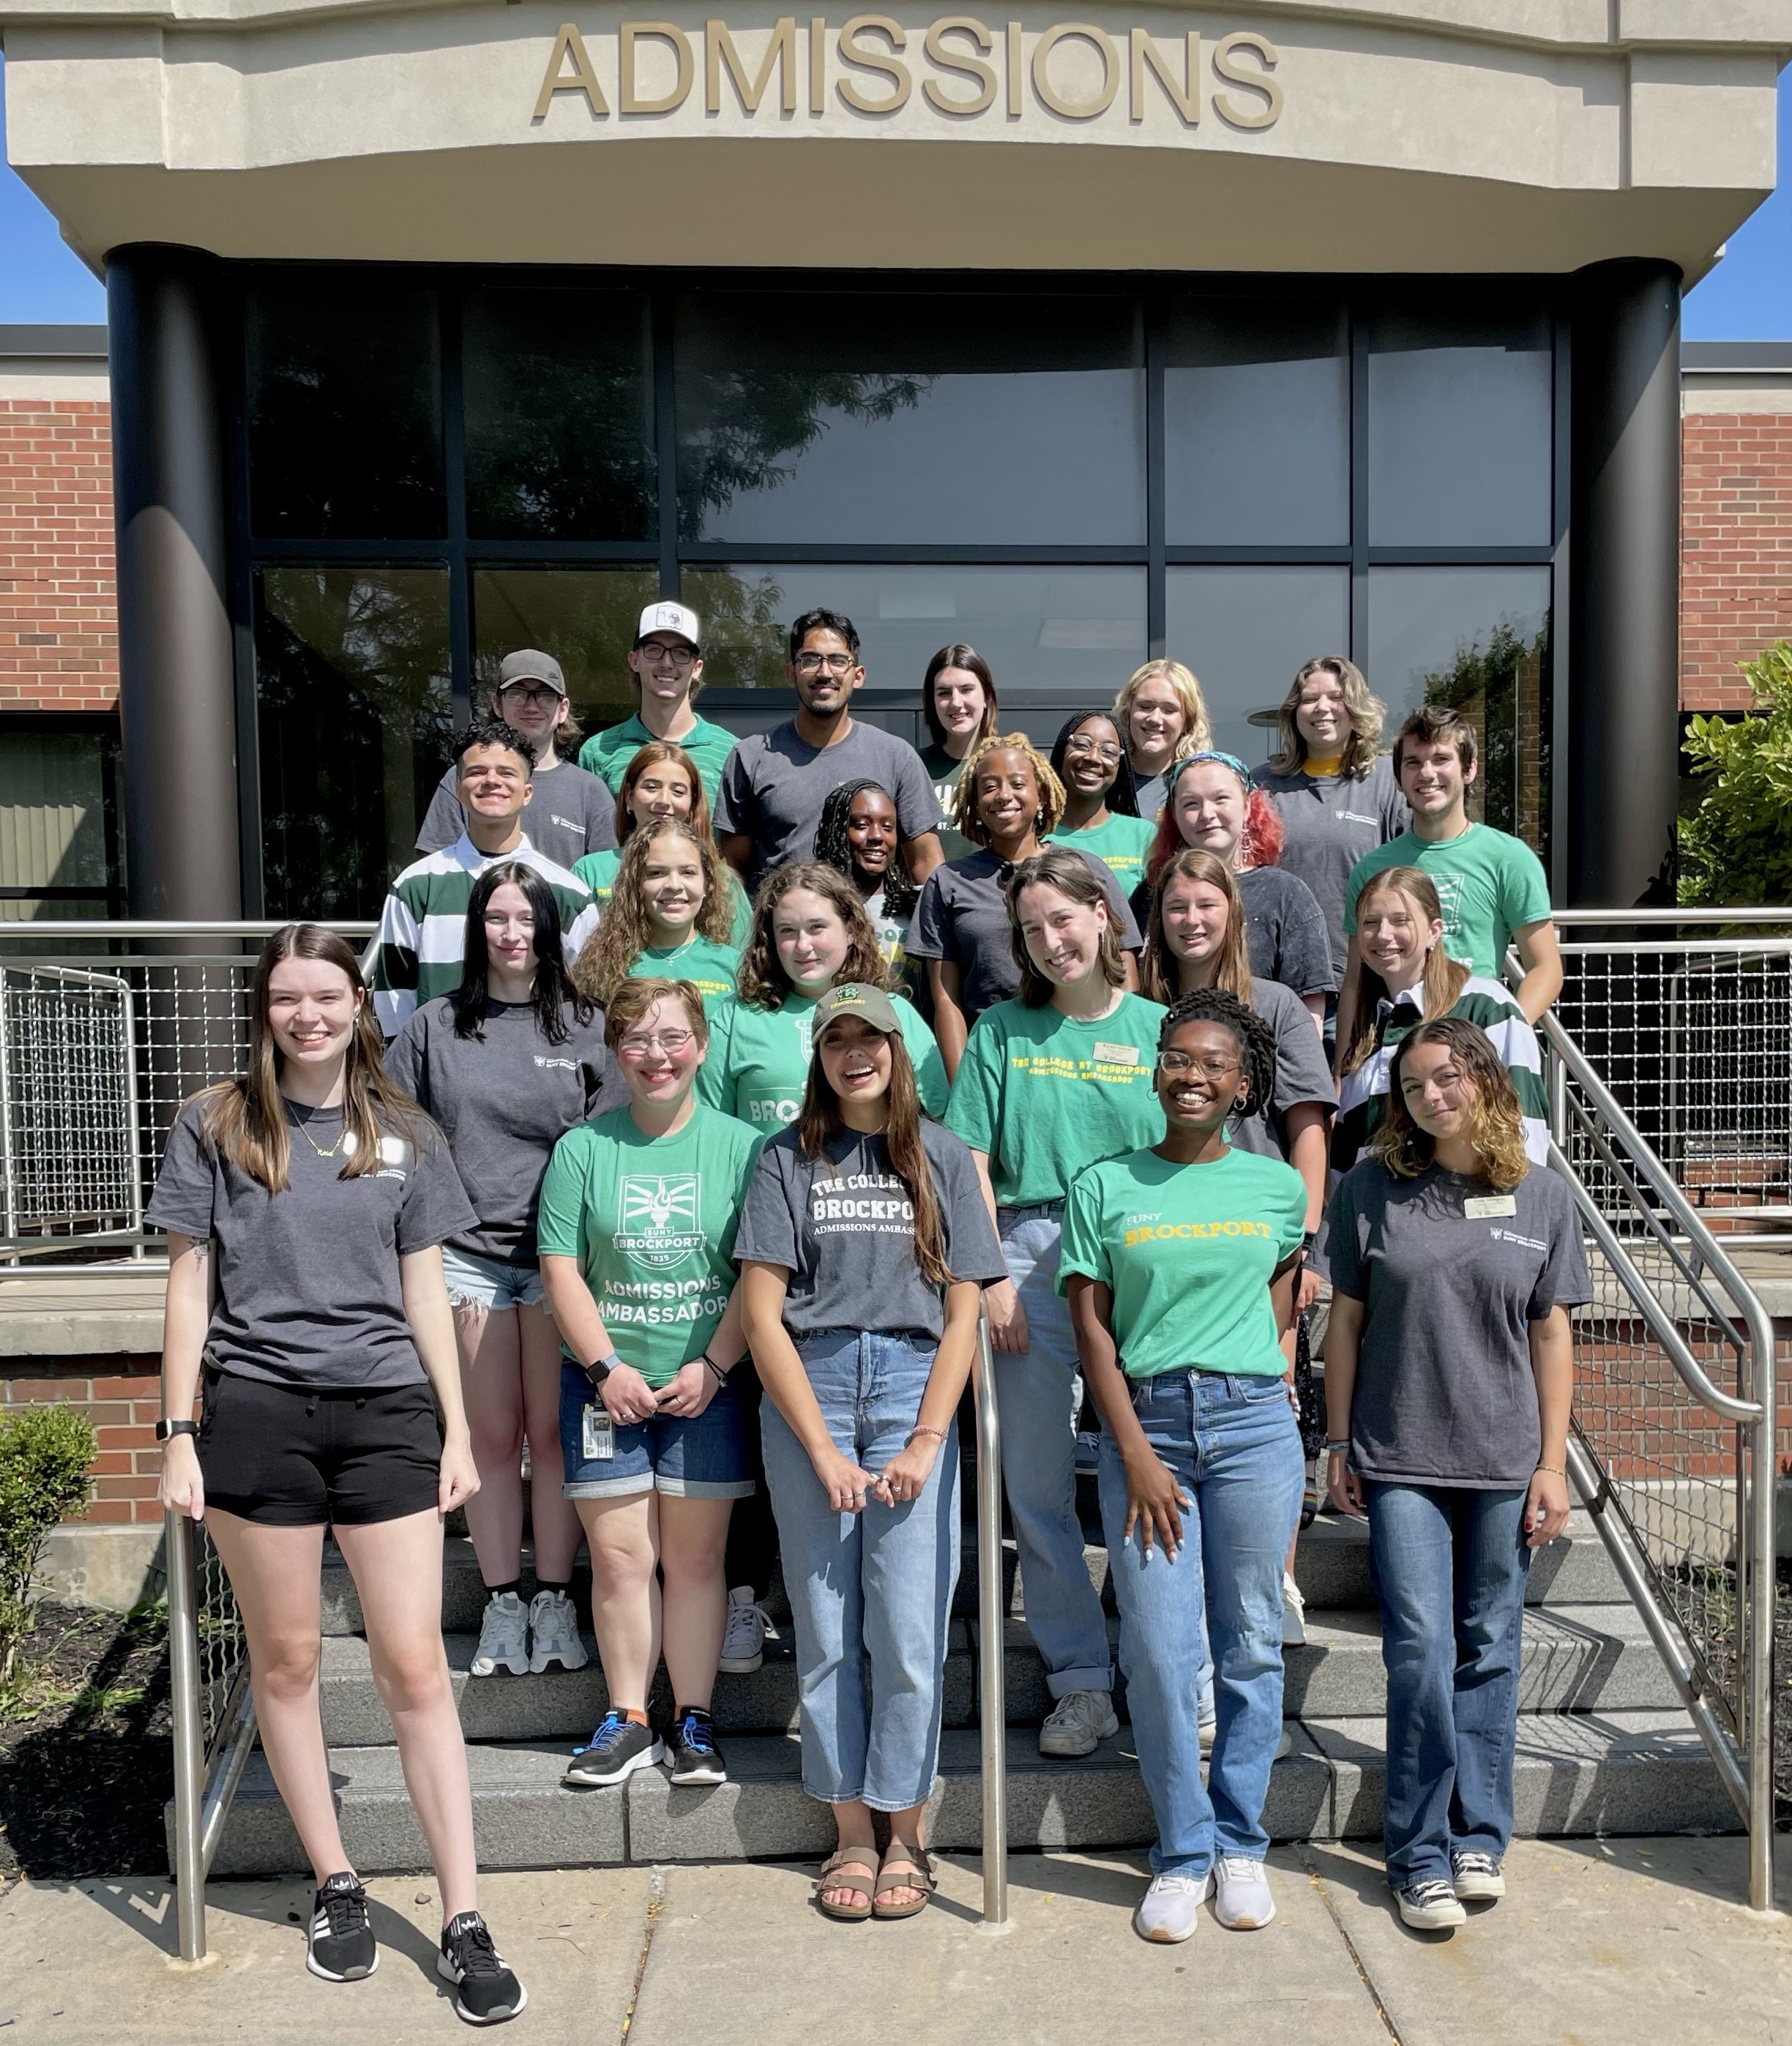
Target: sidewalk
(1623, 1943)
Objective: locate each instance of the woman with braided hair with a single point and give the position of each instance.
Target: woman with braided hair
(858, 836)
(1179, 1264)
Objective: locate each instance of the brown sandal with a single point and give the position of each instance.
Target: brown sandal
(861, 1859)
(904, 1867)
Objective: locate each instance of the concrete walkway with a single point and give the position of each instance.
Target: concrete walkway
(1624, 1943)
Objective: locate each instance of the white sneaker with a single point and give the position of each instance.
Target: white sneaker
(1078, 1721)
(504, 1637)
(744, 1643)
(1294, 1613)
(554, 1633)
(1430, 1905)
(1171, 1909)
(1241, 1895)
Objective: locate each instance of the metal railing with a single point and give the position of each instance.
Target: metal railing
(992, 1614)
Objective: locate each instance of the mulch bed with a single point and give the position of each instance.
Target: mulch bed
(86, 1763)
(1719, 1649)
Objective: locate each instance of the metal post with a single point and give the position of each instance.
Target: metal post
(189, 1736)
(992, 1690)
(1765, 1476)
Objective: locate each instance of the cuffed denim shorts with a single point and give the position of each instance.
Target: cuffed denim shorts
(709, 1458)
(486, 1282)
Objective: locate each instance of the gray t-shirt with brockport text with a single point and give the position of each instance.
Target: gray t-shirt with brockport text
(775, 782)
(570, 812)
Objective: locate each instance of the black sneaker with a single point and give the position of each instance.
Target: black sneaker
(617, 1749)
(696, 1759)
(486, 1991)
(342, 1947)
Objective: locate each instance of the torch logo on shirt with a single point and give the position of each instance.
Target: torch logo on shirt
(658, 1224)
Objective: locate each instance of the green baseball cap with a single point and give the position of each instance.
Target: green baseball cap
(853, 998)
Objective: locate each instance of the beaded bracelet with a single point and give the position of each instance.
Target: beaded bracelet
(919, 1428)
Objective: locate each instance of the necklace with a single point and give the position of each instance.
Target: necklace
(310, 1140)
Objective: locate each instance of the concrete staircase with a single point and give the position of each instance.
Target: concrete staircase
(1603, 1745)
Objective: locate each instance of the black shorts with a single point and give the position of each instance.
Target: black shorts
(289, 1458)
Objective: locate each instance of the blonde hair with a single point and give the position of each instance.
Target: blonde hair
(1496, 1121)
(1160, 971)
(964, 803)
(619, 940)
(1368, 713)
(1197, 729)
(1444, 976)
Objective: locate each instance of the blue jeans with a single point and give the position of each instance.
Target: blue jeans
(1034, 1391)
(872, 1587)
(1449, 1567)
(1235, 1450)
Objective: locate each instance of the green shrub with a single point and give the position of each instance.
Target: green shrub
(1736, 847)
(45, 1453)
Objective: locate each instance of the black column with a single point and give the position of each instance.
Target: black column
(177, 692)
(1623, 639)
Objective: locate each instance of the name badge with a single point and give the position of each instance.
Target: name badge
(1117, 1055)
(599, 1443)
(1479, 1206)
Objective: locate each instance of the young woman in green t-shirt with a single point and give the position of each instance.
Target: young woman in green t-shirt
(1100, 809)
(1180, 1263)
(661, 781)
(669, 916)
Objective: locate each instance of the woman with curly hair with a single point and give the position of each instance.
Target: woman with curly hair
(1179, 1261)
(858, 836)
(661, 781)
(1008, 802)
(1449, 1406)
(670, 918)
(1163, 717)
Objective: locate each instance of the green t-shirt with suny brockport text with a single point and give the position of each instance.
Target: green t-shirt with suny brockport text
(1188, 1251)
(598, 871)
(709, 966)
(651, 1221)
(607, 754)
(1121, 843)
(759, 1059)
(1489, 884)
(1043, 1095)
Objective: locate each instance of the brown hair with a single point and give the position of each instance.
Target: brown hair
(1197, 730)
(958, 655)
(635, 998)
(1068, 872)
(619, 940)
(1160, 971)
(1368, 713)
(1444, 977)
(763, 983)
(246, 1117)
(964, 800)
(1437, 724)
(820, 1118)
(1495, 1123)
(650, 755)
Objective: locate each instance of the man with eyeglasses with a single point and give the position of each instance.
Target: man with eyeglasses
(570, 812)
(667, 662)
(776, 782)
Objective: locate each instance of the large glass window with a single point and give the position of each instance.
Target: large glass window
(585, 618)
(344, 413)
(1245, 632)
(559, 415)
(910, 418)
(1257, 423)
(352, 669)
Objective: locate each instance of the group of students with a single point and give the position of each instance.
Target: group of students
(690, 1161)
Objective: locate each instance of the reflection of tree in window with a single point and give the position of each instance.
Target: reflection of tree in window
(744, 627)
(354, 714)
(1498, 689)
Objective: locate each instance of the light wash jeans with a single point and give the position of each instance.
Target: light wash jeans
(874, 1587)
(1449, 1567)
(1034, 1391)
(1233, 1446)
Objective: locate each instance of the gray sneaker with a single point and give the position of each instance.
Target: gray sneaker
(504, 1637)
(1171, 1909)
(554, 1633)
(1078, 1721)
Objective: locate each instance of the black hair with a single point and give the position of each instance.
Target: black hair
(492, 731)
(1257, 1040)
(821, 619)
(959, 655)
(1123, 797)
(834, 848)
(554, 994)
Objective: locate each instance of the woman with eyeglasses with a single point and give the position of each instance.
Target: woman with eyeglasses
(636, 1236)
(506, 1065)
(1100, 810)
(1179, 1262)
(669, 917)
(661, 782)
(1455, 1263)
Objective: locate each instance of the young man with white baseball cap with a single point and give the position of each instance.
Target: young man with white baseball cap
(666, 661)
(570, 812)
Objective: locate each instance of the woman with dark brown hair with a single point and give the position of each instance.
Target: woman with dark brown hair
(305, 1203)
(864, 1246)
(958, 701)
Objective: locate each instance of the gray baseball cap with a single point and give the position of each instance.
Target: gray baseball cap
(528, 665)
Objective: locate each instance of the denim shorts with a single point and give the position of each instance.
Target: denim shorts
(485, 1282)
(709, 1458)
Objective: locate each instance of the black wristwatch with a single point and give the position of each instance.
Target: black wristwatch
(165, 1429)
(599, 1369)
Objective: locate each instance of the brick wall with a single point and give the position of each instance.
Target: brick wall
(122, 1396)
(58, 627)
(1736, 550)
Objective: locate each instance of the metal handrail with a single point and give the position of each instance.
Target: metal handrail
(1655, 918)
(992, 1688)
(171, 927)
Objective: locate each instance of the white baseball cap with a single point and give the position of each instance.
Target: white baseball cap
(668, 618)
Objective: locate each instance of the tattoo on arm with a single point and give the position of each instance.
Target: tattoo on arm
(201, 1251)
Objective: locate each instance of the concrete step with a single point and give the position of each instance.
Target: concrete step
(1575, 1774)
(564, 1705)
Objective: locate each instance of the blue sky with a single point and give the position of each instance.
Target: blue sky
(1748, 296)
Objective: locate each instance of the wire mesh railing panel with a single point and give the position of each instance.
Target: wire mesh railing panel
(69, 1121)
(223, 1645)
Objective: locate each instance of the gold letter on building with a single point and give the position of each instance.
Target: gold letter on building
(939, 52)
(719, 54)
(665, 32)
(1185, 94)
(582, 78)
(1085, 110)
(1227, 67)
(862, 58)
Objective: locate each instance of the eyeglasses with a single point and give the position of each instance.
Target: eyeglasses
(680, 657)
(673, 1043)
(1108, 756)
(1176, 1062)
(812, 664)
(526, 693)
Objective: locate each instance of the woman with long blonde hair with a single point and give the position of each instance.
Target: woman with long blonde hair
(1163, 718)
(669, 917)
(1449, 1400)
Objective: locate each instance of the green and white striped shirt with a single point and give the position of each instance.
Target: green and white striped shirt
(422, 927)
